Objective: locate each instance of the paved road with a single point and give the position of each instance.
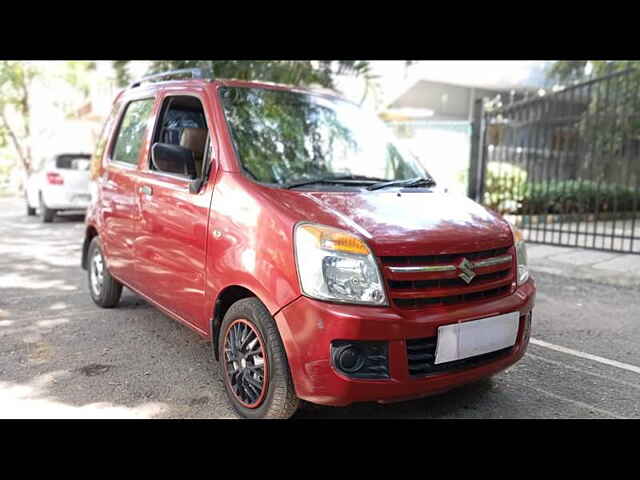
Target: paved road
(61, 356)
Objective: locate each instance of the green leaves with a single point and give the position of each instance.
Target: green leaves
(122, 76)
(76, 74)
(290, 72)
(508, 192)
(578, 196)
(566, 70)
(14, 80)
(504, 186)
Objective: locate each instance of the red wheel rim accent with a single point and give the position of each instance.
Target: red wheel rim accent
(246, 366)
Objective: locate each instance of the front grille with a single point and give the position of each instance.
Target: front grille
(443, 287)
(444, 282)
(451, 299)
(446, 258)
(421, 355)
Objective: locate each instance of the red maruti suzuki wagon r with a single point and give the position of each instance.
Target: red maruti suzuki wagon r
(321, 260)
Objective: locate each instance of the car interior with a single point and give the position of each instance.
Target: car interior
(183, 124)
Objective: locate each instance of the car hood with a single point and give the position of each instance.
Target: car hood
(404, 223)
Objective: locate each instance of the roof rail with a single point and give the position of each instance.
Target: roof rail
(195, 73)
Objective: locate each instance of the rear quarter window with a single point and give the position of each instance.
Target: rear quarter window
(101, 144)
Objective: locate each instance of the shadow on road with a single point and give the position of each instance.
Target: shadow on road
(447, 405)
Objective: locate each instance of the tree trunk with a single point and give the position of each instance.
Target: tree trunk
(24, 156)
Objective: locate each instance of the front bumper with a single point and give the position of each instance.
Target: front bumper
(309, 326)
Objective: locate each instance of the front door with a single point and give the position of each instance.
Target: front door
(170, 246)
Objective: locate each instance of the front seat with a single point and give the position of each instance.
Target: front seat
(194, 139)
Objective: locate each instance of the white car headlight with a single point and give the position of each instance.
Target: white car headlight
(335, 265)
(521, 256)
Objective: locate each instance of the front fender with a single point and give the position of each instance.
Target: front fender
(250, 245)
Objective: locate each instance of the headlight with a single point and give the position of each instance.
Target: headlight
(336, 265)
(521, 256)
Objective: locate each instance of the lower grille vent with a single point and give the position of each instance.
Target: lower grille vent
(421, 355)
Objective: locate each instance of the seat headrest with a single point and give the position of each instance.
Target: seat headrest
(194, 139)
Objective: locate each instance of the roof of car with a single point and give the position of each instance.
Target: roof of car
(239, 83)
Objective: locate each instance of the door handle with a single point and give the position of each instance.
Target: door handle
(146, 189)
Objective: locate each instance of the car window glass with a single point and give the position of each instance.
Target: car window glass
(132, 129)
(285, 137)
(73, 162)
(183, 123)
(101, 144)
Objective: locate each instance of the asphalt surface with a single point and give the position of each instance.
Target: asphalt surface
(63, 357)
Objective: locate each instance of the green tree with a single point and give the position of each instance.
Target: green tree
(122, 76)
(609, 125)
(15, 80)
(291, 72)
(564, 71)
(76, 74)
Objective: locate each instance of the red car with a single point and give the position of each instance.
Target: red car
(321, 260)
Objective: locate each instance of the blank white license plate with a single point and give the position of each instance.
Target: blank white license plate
(468, 339)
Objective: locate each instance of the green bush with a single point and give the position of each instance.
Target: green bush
(504, 186)
(507, 191)
(577, 196)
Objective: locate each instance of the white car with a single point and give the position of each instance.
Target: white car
(60, 184)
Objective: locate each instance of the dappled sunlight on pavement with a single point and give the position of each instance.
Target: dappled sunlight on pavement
(31, 401)
(63, 357)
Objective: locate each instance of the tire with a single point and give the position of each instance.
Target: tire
(276, 398)
(30, 210)
(46, 214)
(105, 293)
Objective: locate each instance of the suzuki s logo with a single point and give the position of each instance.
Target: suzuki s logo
(467, 270)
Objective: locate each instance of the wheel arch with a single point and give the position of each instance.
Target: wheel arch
(88, 236)
(227, 297)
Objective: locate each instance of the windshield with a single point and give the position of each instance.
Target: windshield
(285, 137)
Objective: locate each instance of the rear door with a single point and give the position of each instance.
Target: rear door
(118, 185)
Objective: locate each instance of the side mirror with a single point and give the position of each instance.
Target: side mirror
(169, 158)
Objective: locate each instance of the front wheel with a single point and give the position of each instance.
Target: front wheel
(256, 372)
(104, 289)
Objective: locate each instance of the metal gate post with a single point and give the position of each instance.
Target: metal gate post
(475, 186)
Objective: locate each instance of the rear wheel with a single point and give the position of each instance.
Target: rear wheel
(254, 363)
(104, 289)
(30, 210)
(46, 214)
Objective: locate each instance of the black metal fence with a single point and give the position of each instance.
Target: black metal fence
(565, 166)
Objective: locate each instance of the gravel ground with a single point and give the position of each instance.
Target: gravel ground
(63, 357)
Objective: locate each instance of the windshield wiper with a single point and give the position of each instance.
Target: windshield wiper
(346, 179)
(411, 182)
